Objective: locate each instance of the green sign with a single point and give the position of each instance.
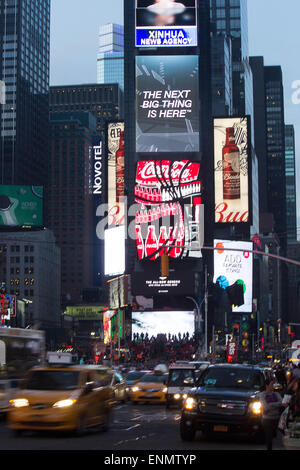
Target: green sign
(21, 206)
(85, 312)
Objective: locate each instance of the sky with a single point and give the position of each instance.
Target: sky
(273, 33)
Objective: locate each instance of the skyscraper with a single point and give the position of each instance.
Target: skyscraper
(24, 67)
(110, 58)
(290, 174)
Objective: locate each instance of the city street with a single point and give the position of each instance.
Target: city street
(136, 427)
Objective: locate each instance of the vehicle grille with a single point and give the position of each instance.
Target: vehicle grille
(222, 407)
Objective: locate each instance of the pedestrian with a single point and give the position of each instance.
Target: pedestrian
(272, 409)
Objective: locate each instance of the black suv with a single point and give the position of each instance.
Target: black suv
(224, 401)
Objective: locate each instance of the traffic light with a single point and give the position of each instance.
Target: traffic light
(236, 293)
(245, 332)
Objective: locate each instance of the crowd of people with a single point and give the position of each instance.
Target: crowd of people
(167, 348)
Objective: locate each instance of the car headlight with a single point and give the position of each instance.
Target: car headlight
(64, 403)
(177, 396)
(165, 389)
(19, 402)
(256, 407)
(135, 389)
(190, 403)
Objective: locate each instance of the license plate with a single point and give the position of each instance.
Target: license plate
(148, 395)
(220, 428)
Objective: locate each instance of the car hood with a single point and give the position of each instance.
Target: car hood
(224, 393)
(47, 396)
(147, 385)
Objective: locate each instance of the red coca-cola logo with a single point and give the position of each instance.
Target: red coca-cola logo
(153, 173)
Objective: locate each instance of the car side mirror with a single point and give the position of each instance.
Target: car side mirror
(88, 388)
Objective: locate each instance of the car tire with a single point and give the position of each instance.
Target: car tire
(108, 421)
(17, 433)
(187, 433)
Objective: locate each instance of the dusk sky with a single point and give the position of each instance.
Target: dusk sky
(74, 42)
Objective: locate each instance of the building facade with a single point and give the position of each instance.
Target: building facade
(105, 102)
(24, 68)
(70, 201)
(110, 57)
(30, 269)
(290, 173)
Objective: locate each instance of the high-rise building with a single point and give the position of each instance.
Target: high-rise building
(221, 75)
(105, 102)
(110, 57)
(274, 102)
(24, 67)
(70, 200)
(290, 174)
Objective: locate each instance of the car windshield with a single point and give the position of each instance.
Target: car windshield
(231, 378)
(53, 380)
(134, 375)
(181, 377)
(153, 378)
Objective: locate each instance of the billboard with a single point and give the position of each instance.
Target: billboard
(114, 251)
(166, 23)
(150, 283)
(169, 217)
(163, 322)
(167, 100)
(115, 173)
(231, 169)
(21, 206)
(235, 264)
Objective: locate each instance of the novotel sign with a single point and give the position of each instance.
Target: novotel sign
(97, 168)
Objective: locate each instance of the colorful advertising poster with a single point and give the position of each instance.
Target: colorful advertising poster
(166, 23)
(21, 206)
(233, 263)
(107, 325)
(163, 322)
(169, 219)
(231, 170)
(167, 100)
(115, 175)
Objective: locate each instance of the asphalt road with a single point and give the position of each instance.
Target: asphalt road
(143, 427)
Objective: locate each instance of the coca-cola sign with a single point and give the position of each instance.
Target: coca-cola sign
(169, 216)
(231, 161)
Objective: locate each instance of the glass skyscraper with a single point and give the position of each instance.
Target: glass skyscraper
(290, 174)
(110, 58)
(24, 67)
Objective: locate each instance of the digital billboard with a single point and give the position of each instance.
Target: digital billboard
(21, 206)
(166, 23)
(114, 251)
(163, 322)
(169, 217)
(167, 100)
(231, 170)
(115, 173)
(235, 265)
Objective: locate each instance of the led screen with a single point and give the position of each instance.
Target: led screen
(164, 322)
(21, 206)
(169, 219)
(167, 100)
(231, 266)
(166, 23)
(114, 252)
(231, 149)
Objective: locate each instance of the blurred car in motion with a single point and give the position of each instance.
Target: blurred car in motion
(119, 385)
(63, 398)
(150, 388)
(225, 400)
(181, 378)
(133, 376)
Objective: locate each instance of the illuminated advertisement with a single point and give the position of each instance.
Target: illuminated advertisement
(107, 325)
(163, 322)
(166, 23)
(149, 283)
(169, 219)
(114, 251)
(21, 206)
(231, 170)
(231, 266)
(167, 100)
(115, 176)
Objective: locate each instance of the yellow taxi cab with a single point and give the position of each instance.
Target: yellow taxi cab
(150, 388)
(63, 398)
